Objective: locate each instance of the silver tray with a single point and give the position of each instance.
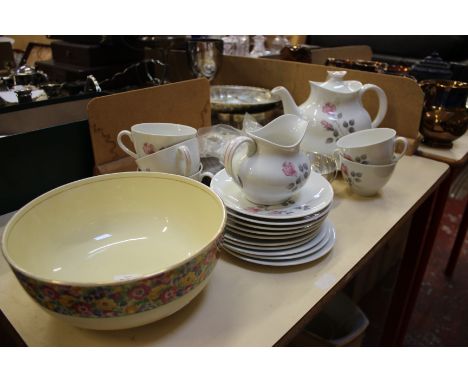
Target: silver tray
(241, 99)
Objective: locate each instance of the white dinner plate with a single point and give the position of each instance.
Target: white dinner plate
(269, 236)
(284, 263)
(317, 247)
(264, 244)
(274, 227)
(316, 195)
(305, 249)
(235, 226)
(279, 223)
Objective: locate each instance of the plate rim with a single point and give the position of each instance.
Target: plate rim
(272, 237)
(271, 232)
(277, 224)
(310, 181)
(281, 253)
(286, 246)
(306, 259)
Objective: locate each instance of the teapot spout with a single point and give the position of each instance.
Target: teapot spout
(289, 106)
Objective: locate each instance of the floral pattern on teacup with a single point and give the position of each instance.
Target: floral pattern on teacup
(351, 177)
(361, 159)
(148, 148)
(124, 298)
(358, 159)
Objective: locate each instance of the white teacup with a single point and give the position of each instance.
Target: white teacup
(372, 146)
(180, 159)
(366, 179)
(200, 174)
(149, 138)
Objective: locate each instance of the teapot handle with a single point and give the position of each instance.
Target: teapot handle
(231, 150)
(382, 103)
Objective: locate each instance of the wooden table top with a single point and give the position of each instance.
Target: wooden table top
(246, 304)
(457, 155)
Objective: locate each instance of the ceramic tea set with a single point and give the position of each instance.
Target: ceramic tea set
(333, 109)
(165, 147)
(276, 206)
(368, 158)
(331, 123)
(339, 126)
(274, 167)
(294, 232)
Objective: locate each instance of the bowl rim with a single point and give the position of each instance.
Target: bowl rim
(98, 178)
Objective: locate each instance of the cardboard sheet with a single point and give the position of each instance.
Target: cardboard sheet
(186, 102)
(405, 98)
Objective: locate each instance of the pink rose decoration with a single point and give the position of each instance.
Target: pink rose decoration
(253, 209)
(327, 125)
(289, 169)
(329, 108)
(148, 148)
(344, 169)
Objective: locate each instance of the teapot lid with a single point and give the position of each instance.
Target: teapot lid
(336, 84)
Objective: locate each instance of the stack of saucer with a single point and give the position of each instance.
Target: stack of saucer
(294, 232)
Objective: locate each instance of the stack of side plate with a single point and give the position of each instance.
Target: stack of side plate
(294, 232)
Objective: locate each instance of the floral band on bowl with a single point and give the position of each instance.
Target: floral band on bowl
(126, 298)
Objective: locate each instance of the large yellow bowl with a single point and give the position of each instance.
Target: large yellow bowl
(116, 251)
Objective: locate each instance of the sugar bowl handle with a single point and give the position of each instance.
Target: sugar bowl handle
(382, 103)
(231, 149)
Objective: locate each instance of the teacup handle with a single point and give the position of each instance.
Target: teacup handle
(187, 160)
(382, 103)
(122, 146)
(231, 150)
(404, 142)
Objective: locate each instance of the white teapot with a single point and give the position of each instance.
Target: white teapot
(273, 169)
(334, 108)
